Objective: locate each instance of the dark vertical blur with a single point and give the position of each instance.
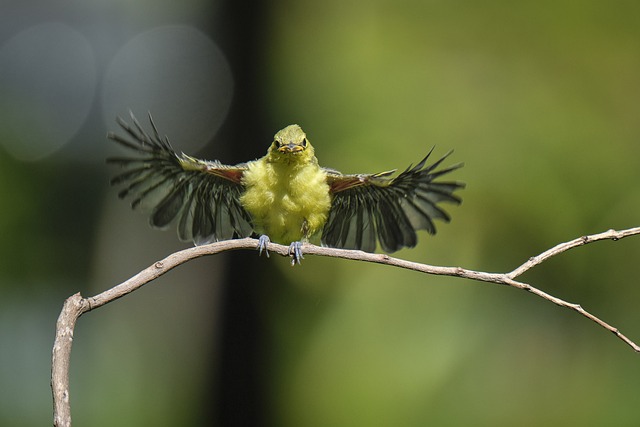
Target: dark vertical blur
(238, 389)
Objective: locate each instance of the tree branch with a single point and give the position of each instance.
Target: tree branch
(76, 305)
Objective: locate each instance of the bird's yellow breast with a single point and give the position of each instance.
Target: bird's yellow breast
(287, 201)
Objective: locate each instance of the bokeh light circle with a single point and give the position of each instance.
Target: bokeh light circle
(48, 82)
(177, 74)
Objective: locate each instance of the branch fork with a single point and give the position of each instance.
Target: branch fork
(76, 305)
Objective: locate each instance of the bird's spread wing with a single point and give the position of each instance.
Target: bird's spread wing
(203, 196)
(370, 207)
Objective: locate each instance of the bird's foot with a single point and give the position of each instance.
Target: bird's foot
(263, 241)
(295, 251)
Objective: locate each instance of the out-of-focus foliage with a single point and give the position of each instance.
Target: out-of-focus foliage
(539, 99)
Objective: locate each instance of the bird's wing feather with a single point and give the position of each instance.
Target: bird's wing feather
(202, 196)
(375, 207)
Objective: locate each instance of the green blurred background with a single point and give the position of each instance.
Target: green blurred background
(540, 99)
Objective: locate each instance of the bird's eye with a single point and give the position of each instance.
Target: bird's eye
(277, 143)
(304, 142)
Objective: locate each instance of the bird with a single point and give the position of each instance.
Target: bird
(285, 196)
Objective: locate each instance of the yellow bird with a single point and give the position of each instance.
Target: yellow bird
(285, 196)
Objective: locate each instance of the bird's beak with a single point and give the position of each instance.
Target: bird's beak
(290, 148)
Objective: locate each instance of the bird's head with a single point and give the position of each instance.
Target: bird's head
(291, 145)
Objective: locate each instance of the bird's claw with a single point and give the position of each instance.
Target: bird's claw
(295, 251)
(263, 241)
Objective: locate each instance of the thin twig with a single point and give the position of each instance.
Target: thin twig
(75, 305)
(562, 247)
